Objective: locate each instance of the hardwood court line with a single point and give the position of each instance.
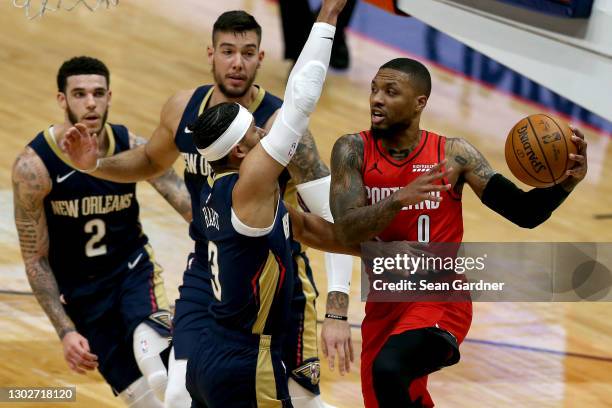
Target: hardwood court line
(519, 347)
(15, 292)
(539, 350)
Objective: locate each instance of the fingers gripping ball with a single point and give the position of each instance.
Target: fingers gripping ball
(538, 149)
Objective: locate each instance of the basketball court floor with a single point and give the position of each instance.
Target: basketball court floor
(517, 354)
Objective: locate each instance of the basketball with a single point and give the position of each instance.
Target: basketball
(537, 150)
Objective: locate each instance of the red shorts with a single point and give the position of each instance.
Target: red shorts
(386, 319)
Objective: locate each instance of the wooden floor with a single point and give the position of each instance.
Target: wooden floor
(517, 354)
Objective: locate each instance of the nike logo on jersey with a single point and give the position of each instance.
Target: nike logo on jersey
(375, 167)
(65, 176)
(329, 38)
(131, 265)
(187, 130)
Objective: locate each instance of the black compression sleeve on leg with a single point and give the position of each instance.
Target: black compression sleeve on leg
(525, 209)
(406, 357)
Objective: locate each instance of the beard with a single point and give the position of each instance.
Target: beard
(231, 93)
(72, 117)
(390, 131)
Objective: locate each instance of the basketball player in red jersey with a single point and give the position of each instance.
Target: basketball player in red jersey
(375, 175)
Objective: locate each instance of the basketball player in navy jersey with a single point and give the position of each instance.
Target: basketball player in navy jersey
(404, 342)
(239, 360)
(87, 259)
(235, 56)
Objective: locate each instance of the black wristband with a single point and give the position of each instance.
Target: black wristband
(335, 317)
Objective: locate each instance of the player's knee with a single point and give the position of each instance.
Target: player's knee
(148, 344)
(139, 395)
(387, 369)
(177, 395)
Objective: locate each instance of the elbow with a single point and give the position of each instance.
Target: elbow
(528, 225)
(532, 222)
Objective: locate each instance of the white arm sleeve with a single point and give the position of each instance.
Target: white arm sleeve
(301, 95)
(315, 194)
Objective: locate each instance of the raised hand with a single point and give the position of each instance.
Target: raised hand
(422, 188)
(81, 147)
(330, 10)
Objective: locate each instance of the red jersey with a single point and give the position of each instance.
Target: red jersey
(427, 221)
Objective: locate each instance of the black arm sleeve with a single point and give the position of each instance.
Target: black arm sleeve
(525, 209)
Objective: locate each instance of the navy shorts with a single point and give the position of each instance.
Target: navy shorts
(191, 311)
(232, 369)
(299, 350)
(108, 317)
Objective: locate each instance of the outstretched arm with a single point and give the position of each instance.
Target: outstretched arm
(306, 165)
(31, 183)
(169, 185)
(141, 163)
(317, 233)
(256, 189)
(503, 196)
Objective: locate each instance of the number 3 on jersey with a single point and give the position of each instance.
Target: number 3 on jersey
(214, 269)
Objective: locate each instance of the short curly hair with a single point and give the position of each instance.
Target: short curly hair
(81, 66)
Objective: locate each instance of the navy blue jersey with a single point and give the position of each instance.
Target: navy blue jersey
(93, 224)
(197, 169)
(252, 274)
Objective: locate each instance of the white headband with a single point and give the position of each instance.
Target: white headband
(230, 138)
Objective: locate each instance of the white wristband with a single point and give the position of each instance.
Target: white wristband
(87, 171)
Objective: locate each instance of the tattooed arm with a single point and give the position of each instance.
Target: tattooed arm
(306, 165)
(317, 233)
(470, 165)
(169, 185)
(355, 221)
(501, 195)
(31, 183)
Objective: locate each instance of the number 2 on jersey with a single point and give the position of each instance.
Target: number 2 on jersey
(214, 269)
(98, 228)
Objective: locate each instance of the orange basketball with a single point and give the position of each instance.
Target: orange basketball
(537, 150)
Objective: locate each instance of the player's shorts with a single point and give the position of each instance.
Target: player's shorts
(300, 352)
(233, 369)
(108, 317)
(191, 309)
(387, 319)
